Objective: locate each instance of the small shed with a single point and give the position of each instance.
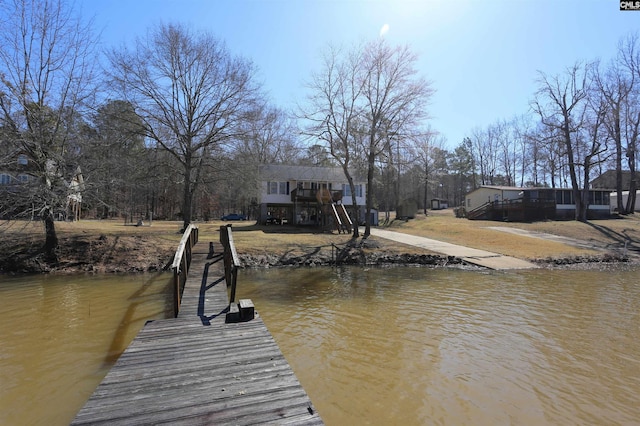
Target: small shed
(439, 204)
(407, 209)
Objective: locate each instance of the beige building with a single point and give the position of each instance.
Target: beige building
(530, 204)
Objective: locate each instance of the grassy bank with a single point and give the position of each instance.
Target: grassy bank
(600, 234)
(112, 246)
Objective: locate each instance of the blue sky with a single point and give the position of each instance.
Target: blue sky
(481, 56)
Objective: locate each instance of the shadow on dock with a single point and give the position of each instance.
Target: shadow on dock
(198, 368)
(204, 287)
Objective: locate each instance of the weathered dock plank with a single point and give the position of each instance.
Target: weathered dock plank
(198, 370)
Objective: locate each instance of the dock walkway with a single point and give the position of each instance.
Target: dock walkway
(198, 370)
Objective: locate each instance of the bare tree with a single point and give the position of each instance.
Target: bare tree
(595, 143)
(115, 160)
(485, 145)
(520, 126)
(333, 111)
(631, 111)
(614, 85)
(190, 92)
(363, 99)
(424, 152)
(544, 155)
(269, 137)
(629, 60)
(562, 103)
(506, 150)
(46, 73)
(395, 101)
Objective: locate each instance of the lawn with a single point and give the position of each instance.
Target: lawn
(108, 245)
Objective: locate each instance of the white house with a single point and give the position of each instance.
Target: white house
(20, 172)
(613, 201)
(297, 194)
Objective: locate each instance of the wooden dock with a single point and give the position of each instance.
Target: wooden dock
(198, 370)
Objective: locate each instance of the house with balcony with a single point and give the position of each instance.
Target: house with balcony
(17, 176)
(309, 195)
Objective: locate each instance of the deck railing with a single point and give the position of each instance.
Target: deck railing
(306, 194)
(181, 263)
(231, 260)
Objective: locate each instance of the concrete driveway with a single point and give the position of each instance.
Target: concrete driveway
(483, 258)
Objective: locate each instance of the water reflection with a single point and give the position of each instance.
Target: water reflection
(60, 335)
(424, 346)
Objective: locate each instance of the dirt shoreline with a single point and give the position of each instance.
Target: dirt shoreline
(136, 254)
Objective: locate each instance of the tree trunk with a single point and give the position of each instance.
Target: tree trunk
(584, 195)
(577, 196)
(354, 202)
(187, 197)
(51, 237)
(370, 169)
(618, 141)
(426, 188)
(631, 199)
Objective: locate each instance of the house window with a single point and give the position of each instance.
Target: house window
(23, 178)
(346, 190)
(5, 179)
(564, 196)
(600, 198)
(278, 188)
(22, 160)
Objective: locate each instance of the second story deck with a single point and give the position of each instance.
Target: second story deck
(326, 195)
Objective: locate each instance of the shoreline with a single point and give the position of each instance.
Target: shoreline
(156, 262)
(99, 247)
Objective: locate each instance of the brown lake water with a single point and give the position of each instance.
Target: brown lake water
(59, 336)
(402, 345)
(422, 346)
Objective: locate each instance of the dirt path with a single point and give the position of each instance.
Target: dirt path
(483, 258)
